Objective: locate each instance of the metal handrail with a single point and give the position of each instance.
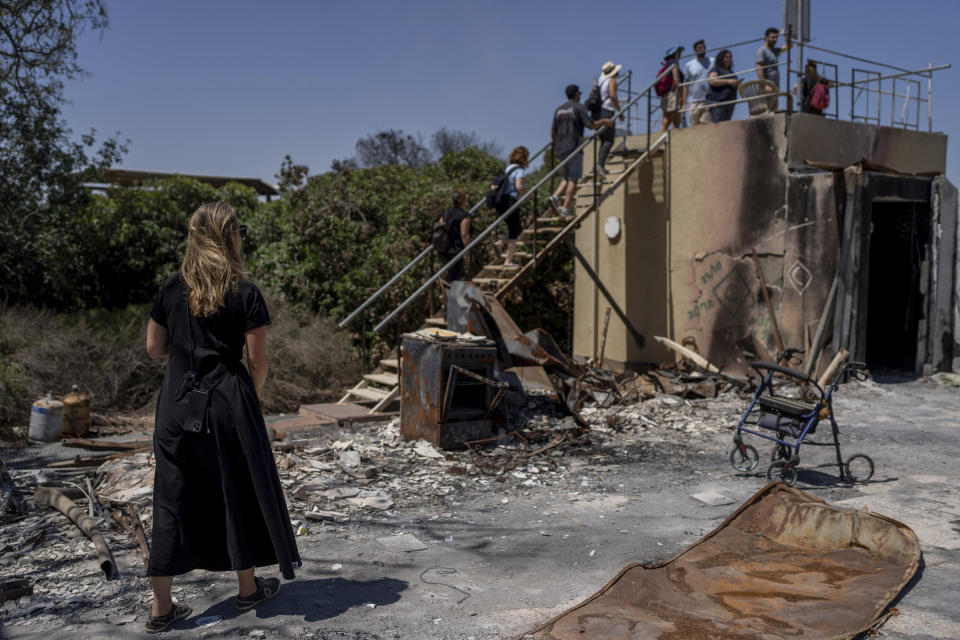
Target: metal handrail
(420, 256)
(403, 305)
(426, 251)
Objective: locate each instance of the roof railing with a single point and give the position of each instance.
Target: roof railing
(858, 86)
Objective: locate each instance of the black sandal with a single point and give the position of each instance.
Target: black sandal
(156, 624)
(266, 589)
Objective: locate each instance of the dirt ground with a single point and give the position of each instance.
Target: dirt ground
(504, 552)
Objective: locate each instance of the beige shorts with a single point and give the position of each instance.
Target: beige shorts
(699, 113)
(668, 103)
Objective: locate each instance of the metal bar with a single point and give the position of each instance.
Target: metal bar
(727, 46)
(637, 336)
(844, 55)
(573, 154)
(426, 251)
(731, 75)
(930, 98)
(895, 75)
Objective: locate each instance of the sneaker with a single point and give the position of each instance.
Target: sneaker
(266, 589)
(600, 170)
(565, 214)
(156, 624)
(555, 202)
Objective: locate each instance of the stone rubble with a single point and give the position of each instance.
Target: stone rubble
(327, 496)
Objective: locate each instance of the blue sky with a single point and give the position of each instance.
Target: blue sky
(230, 87)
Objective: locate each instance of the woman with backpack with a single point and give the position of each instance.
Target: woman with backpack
(516, 173)
(456, 225)
(723, 87)
(668, 88)
(814, 90)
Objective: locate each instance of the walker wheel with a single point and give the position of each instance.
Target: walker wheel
(859, 468)
(780, 452)
(780, 471)
(745, 459)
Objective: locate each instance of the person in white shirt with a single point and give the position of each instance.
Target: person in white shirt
(695, 73)
(610, 105)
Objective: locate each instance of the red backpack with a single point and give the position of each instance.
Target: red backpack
(820, 98)
(665, 84)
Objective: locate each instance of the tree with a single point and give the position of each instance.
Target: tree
(41, 170)
(291, 176)
(392, 147)
(446, 141)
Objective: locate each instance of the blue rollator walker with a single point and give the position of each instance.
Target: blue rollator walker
(789, 422)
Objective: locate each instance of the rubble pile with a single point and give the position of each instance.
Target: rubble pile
(338, 481)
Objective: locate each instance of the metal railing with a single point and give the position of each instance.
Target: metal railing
(863, 82)
(516, 206)
(427, 250)
(420, 256)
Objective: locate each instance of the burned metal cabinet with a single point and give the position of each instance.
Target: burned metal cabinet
(447, 394)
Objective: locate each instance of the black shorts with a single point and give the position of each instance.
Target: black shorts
(514, 226)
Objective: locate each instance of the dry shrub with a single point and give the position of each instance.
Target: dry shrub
(101, 352)
(104, 353)
(309, 360)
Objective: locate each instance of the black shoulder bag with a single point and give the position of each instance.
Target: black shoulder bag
(193, 400)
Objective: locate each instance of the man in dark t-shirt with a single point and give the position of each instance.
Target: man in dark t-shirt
(569, 120)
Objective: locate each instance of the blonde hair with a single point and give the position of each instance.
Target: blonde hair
(212, 265)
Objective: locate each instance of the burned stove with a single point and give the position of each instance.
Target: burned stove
(447, 392)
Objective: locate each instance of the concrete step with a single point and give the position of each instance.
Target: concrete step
(489, 283)
(390, 363)
(436, 322)
(541, 231)
(386, 379)
(369, 394)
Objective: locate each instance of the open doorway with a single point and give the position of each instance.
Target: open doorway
(899, 242)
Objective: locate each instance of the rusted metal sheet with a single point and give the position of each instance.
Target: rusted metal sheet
(470, 310)
(446, 391)
(785, 564)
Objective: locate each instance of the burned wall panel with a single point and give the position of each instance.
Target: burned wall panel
(811, 240)
(727, 197)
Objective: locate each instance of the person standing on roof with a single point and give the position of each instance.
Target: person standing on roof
(695, 72)
(723, 87)
(457, 223)
(807, 84)
(610, 105)
(766, 59)
(569, 120)
(672, 95)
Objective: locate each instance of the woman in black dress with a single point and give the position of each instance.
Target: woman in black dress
(217, 500)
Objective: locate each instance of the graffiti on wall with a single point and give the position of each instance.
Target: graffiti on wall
(799, 276)
(734, 298)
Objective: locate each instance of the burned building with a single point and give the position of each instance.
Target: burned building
(848, 217)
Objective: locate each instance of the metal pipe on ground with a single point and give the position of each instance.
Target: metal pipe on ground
(51, 497)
